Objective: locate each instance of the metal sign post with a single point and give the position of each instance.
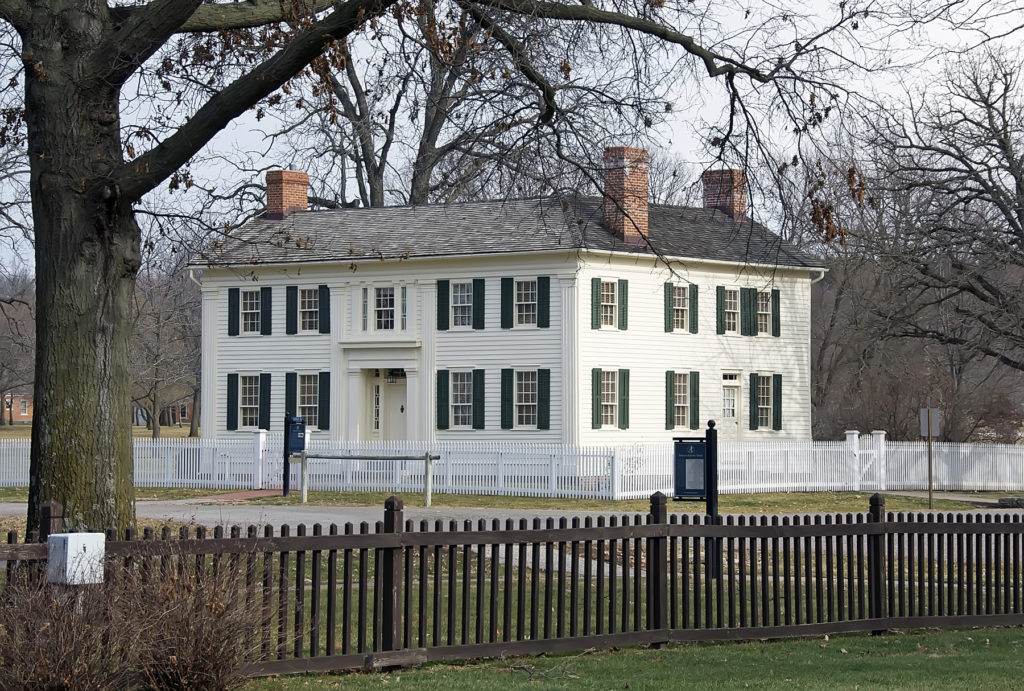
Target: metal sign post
(696, 477)
(930, 428)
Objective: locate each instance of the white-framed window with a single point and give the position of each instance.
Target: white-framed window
(249, 400)
(526, 302)
(609, 303)
(250, 305)
(462, 399)
(309, 309)
(366, 308)
(680, 307)
(681, 408)
(731, 306)
(309, 399)
(376, 407)
(462, 304)
(384, 308)
(24, 407)
(764, 402)
(764, 313)
(730, 394)
(526, 398)
(405, 309)
(609, 397)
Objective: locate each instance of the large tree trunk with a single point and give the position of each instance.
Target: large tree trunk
(193, 425)
(87, 256)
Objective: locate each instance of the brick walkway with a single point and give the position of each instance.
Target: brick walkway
(240, 496)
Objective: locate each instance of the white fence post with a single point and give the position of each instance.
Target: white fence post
(878, 437)
(616, 474)
(259, 440)
(853, 444)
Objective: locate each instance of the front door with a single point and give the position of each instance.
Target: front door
(729, 427)
(395, 409)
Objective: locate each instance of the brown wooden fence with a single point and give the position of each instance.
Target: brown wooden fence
(400, 593)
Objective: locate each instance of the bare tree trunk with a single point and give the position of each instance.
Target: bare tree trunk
(87, 256)
(193, 425)
(155, 416)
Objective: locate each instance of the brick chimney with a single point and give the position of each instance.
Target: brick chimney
(625, 189)
(286, 193)
(726, 190)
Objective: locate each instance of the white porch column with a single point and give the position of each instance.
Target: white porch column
(354, 413)
(415, 429)
(211, 402)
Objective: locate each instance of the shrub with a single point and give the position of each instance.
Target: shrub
(137, 630)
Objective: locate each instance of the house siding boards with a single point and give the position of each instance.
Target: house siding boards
(648, 351)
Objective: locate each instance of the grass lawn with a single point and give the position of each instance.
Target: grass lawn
(792, 502)
(918, 660)
(24, 431)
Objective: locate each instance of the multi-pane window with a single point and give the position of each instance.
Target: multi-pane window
(680, 307)
(526, 302)
(249, 400)
(250, 311)
(309, 398)
(609, 303)
(730, 395)
(462, 304)
(365, 309)
(764, 312)
(384, 308)
(764, 401)
(681, 408)
(609, 397)
(376, 407)
(405, 303)
(462, 399)
(732, 310)
(526, 398)
(24, 407)
(309, 309)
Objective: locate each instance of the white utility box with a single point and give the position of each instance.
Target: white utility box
(76, 558)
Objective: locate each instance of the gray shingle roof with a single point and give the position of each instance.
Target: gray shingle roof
(496, 227)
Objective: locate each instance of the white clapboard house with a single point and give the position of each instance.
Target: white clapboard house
(567, 320)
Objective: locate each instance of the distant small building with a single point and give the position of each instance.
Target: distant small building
(18, 408)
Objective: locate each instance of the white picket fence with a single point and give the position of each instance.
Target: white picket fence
(860, 463)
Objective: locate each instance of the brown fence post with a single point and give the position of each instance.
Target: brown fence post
(877, 586)
(657, 567)
(51, 519)
(391, 588)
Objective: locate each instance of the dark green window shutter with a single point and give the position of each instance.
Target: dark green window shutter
(670, 400)
(265, 401)
(776, 401)
(692, 295)
(323, 402)
(508, 392)
(748, 325)
(291, 310)
(478, 399)
(753, 401)
(595, 398)
(623, 399)
(442, 399)
(325, 311)
(233, 312)
(543, 302)
(478, 304)
(266, 325)
(595, 303)
(720, 309)
(543, 399)
(232, 400)
(508, 289)
(776, 323)
(670, 294)
(623, 304)
(443, 305)
(290, 387)
(694, 400)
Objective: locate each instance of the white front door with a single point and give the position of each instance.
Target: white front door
(729, 426)
(395, 410)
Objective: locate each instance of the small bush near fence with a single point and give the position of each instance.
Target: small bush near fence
(137, 630)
